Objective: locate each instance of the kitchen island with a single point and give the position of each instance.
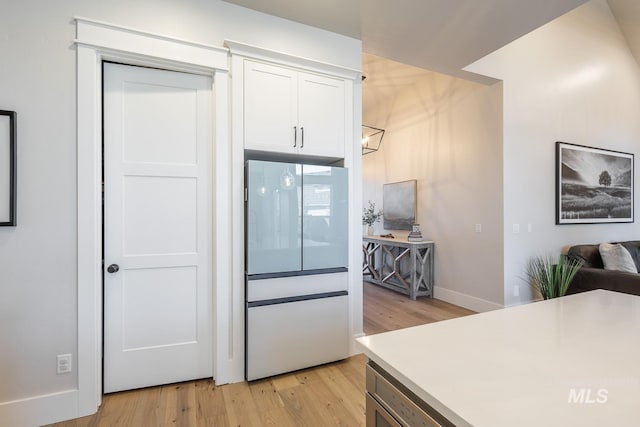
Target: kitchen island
(572, 361)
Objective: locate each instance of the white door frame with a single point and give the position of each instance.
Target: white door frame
(96, 42)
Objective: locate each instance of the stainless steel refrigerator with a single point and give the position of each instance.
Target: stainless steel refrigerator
(296, 262)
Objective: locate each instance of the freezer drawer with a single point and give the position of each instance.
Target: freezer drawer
(286, 287)
(288, 336)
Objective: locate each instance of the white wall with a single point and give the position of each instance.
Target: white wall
(572, 80)
(446, 133)
(38, 259)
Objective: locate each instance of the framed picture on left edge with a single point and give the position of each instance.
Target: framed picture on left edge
(593, 185)
(7, 168)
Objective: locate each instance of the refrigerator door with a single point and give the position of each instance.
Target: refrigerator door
(273, 217)
(325, 217)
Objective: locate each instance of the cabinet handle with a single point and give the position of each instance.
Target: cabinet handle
(302, 143)
(295, 136)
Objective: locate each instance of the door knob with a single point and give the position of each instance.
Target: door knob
(113, 268)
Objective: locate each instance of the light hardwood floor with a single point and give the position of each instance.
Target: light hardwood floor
(331, 394)
(385, 310)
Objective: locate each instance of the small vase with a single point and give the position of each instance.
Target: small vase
(370, 230)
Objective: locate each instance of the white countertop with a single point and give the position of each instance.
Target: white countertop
(518, 366)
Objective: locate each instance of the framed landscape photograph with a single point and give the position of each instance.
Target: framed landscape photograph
(7, 168)
(593, 185)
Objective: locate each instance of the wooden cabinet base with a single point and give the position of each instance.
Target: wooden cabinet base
(389, 403)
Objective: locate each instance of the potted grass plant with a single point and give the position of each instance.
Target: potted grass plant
(552, 278)
(370, 216)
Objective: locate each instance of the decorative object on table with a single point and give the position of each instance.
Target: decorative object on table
(593, 185)
(399, 205)
(371, 139)
(7, 168)
(415, 235)
(370, 216)
(552, 279)
(388, 236)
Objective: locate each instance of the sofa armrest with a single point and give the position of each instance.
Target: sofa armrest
(588, 279)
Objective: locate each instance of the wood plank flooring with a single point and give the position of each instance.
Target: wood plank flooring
(385, 310)
(331, 394)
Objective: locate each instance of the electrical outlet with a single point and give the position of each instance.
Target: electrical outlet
(64, 364)
(478, 228)
(516, 290)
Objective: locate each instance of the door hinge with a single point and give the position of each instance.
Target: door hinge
(246, 194)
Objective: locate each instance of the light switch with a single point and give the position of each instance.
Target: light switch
(529, 228)
(516, 228)
(478, 228)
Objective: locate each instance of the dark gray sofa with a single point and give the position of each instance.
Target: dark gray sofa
(592, 274)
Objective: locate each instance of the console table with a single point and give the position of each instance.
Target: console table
(399, 265)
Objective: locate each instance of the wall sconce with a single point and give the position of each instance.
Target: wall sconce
(371, 139)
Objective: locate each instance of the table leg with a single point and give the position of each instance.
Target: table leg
(413, 284)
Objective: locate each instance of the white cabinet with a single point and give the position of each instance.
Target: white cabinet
(270, 107)
(321, 115)
(293, 112)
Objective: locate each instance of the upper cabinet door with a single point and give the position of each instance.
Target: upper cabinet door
(293, 112)
(270, 108)
(321, 112)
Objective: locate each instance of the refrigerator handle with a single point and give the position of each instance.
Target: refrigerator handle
(295, 136)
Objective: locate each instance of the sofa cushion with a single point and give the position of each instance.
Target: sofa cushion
(633, 246)
(617, 257)
(589, 254)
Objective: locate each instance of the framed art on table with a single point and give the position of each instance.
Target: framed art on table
(399, 205)
(593, 185)
(7, 168)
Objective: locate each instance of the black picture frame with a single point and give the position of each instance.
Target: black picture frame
(8, 138)
(593, 185)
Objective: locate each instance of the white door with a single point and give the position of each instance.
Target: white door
(321, 115)
(157, 227)
(270, 108)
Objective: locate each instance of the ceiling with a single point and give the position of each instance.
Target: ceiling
(627, 13)
(438, 35)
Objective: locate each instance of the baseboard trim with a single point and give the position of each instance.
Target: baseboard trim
(40, 410)
(463, 300)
